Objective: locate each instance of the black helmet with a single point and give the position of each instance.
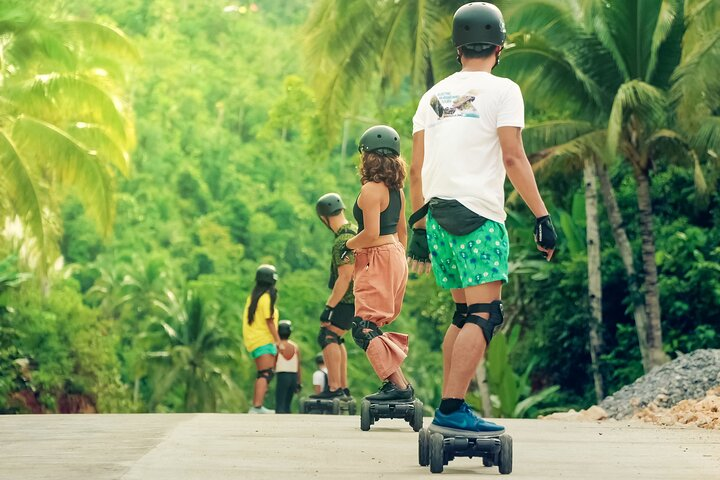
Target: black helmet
(478, 23)
(284, 328)
(380, 138)
(329, 205)
(319, 358)
(266, 274)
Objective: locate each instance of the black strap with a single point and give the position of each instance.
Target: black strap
(494, 307)
(419, 215)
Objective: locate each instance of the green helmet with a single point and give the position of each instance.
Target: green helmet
(284, 328)
(329, 205)
(266, 275)
(380, 138)
(478, 23)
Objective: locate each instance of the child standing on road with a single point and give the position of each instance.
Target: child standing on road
(287, 368)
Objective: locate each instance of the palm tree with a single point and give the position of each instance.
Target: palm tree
(369, 46)
(621, 62)
(190, 351)
(62, 119)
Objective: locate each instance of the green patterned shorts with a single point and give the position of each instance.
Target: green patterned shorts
(468, 260)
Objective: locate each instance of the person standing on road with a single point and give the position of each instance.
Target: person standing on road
(287, 369)
(320, 376)
(380, 267)
(260, 333)
(337, 316)
(466, 138)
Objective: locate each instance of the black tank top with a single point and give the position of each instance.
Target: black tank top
(389, 217)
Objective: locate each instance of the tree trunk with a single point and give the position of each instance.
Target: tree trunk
(594, 273)
(429, 73)
(623, 246)
(650, 283)
(481, 379)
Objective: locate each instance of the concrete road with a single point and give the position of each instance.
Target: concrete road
(249, 447)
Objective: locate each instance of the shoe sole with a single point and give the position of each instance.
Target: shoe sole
(457, 432)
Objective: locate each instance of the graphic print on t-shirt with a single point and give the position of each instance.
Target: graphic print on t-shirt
(446, 105)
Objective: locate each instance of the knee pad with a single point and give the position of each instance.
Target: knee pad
(490, 325)
(326, 337)
(361, 337)
(461, 312)
(267, 374)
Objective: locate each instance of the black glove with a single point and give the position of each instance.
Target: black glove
(326, 314)
(544, 234)
(418, 248)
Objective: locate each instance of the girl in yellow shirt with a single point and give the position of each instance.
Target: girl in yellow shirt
(260, 333)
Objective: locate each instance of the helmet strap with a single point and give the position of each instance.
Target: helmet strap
(497, 56)
(326, 222)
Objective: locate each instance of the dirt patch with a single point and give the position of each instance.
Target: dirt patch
(703, 413)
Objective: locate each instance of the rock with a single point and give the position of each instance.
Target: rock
(592, 414)
(687, 377)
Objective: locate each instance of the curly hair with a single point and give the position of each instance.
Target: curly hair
(387, 169)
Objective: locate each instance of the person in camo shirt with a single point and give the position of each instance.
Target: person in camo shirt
(337, 316)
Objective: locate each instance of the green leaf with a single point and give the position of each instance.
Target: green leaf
(73, 164)
(21, 187)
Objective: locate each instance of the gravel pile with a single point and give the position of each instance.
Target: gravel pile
(687, 377)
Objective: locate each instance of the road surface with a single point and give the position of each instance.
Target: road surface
(294, 447)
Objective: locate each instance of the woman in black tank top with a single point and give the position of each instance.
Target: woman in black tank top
(380, 265)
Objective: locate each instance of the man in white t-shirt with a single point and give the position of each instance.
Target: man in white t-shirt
(320, 376)
(466, 138)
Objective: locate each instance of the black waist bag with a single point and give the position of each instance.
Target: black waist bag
(455, 217)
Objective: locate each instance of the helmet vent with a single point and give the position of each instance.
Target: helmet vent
(379, 136)
(467, 28)
(488, 27)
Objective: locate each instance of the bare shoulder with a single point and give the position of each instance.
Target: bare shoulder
(374, 190)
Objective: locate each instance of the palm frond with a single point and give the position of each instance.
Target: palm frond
(99, 37)
(96, 138)
(21, 188)
(66, 98)
(550, 75)
(707, 137)
(543, 135)
(638, 98)
(670, 12)
(73, 164)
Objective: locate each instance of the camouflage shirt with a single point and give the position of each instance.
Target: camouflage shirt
(345, 233)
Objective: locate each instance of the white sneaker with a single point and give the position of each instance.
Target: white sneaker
(260, 410)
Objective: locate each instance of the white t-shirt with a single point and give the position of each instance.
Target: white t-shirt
(319, 378)
(463, 159)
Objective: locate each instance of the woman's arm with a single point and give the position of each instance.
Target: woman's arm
(299, 372)
(402, 225)
(370, 200)
(273, 329)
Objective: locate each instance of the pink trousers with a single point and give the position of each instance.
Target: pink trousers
(380, 280)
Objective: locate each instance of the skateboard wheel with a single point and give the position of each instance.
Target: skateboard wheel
(417, 418)
(352, 408)
(504, 459)
(335, 407)
(488, 462)
(437, 454)
(365, 420)
(423, 448)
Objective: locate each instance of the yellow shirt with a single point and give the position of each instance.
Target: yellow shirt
(258, 334)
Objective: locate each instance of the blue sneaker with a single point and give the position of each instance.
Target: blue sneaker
(465, 419)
